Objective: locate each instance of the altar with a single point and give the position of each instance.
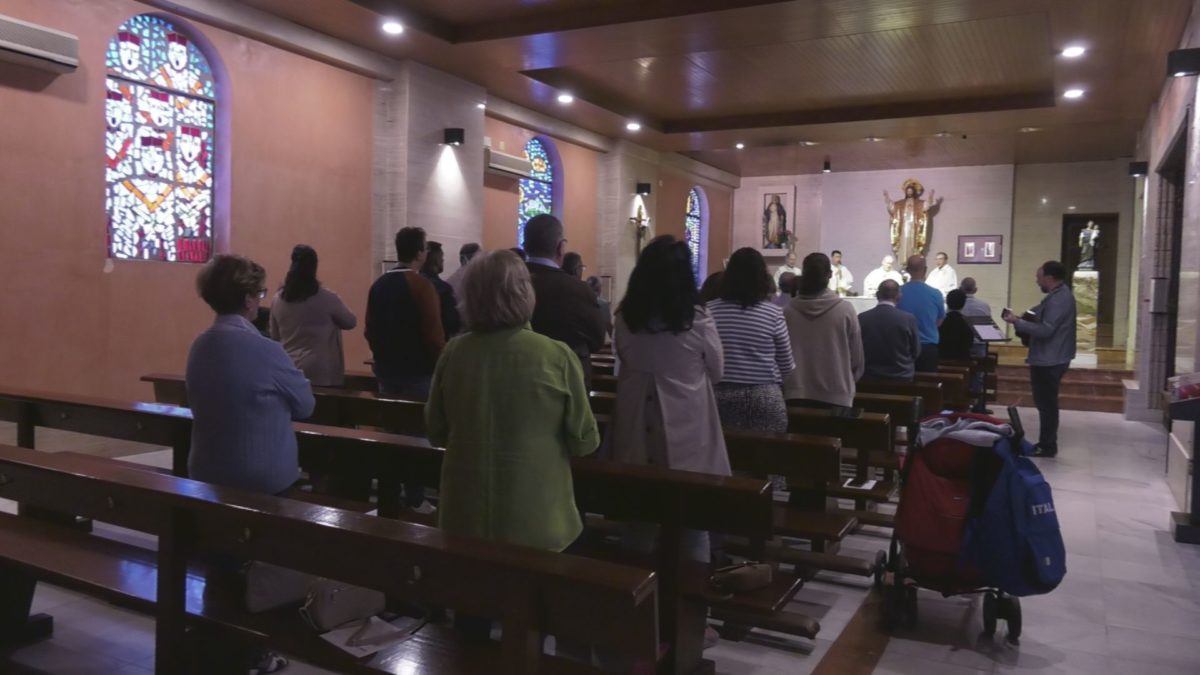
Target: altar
(861, 303)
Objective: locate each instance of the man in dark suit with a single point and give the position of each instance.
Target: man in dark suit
(891, 339)
(566, 308)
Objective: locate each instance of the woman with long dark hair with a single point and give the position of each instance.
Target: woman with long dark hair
(669, 356)
(755, 341)
(309, 319)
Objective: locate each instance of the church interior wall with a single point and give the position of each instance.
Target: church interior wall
(580, 175)
(846, 211)
(1091, 187)
(300, 152)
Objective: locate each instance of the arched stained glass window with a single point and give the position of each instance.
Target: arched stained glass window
(160, 109)
(694, 226)
(536, 193)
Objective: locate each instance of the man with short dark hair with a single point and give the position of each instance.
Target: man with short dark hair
(890, 337)
(955, 335)
(466, 253)
(1051, 333)
(942, 276)
(435, 263)
(566, 309)
(927, 304)
(404, 321)
(842, 280)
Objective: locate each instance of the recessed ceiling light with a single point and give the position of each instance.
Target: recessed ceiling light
(1071, 208)
(1029, 130)
(809, 144)
(481, 106)
(1045, 201)
(1074, 51)
(943, 134)
(739, 146)
(873, 139)
(1073, 93)
(565, 98)
(633, 126)
(392, 27)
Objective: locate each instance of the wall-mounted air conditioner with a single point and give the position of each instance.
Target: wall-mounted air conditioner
(37, 47)
(508, 165)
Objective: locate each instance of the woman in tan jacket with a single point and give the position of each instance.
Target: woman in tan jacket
(309, 319)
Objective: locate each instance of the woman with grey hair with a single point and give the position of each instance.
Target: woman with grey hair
(510, 407)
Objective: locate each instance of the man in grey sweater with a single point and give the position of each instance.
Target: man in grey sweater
(1051, 333)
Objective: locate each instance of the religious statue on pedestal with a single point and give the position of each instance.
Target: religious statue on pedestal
(910, 219)
(1087, 246)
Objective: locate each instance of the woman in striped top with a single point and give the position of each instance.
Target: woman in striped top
(757, 350)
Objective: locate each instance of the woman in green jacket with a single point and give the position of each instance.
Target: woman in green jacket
(510, 407)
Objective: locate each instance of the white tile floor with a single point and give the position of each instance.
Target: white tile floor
(1130, 603)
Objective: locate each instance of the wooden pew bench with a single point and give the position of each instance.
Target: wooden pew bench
(531, 593)
(738, 506)
(932, 400)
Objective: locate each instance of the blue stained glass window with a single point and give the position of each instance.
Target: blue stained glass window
(536, 193)
(693, 232)
(160, 110)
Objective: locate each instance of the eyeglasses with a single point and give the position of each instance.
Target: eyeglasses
(262, 293)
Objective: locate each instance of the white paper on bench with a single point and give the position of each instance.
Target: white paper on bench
(867, 485)
(377, 635)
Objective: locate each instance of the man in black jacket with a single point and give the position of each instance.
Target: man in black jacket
(566, 308)
(891, 340)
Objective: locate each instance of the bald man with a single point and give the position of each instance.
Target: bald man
(891, 340)
(929, 306)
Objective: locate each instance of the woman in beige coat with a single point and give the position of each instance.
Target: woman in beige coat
(669, 357)
(309, 319)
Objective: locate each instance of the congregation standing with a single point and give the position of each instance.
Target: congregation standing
(501, 353)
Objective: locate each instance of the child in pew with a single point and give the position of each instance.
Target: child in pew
(511, 409)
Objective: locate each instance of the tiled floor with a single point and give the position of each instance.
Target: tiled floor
(1130, 603)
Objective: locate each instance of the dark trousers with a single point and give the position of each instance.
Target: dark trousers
(927, 360)
(1045, 381)
(413, 388)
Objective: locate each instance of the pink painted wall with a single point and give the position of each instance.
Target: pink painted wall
(580, 167)
(300, 151)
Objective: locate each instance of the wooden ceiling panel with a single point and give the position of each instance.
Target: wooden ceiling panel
(705, 74)
(970, 59)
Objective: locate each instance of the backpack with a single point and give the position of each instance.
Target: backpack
(1015, 541)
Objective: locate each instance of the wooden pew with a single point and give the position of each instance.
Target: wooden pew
(531, 593)
(956, 393)
(932, 401)
(734, 505)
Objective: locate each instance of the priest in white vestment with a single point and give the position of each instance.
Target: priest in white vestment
(880, 274)
(942, 276)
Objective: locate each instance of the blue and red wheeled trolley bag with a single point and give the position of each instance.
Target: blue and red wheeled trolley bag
(975, 516)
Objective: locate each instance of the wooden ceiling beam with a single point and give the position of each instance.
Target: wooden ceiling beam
(859, 113)
(603, 14)
(443, 30)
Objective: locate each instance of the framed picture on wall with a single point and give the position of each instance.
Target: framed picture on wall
(980, 249)
(776, 218)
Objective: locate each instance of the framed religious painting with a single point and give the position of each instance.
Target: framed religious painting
(776, 206)
(980, 249)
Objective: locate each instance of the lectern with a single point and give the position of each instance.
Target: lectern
(1185, 526)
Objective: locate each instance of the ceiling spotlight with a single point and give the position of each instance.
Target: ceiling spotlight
(943, 134)
(1139, 169)
(1073, 93)
(392, 27)
(633, 126)
(1183, 62)
(1071, 208)
(809, 144)
(827, 167)
(1074, 51)
(565, 98)
(739, 146)
(873, 139)
(1029, 130)
(481, 106)
(1045, 201)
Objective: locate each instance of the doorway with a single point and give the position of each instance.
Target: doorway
(1104, 261)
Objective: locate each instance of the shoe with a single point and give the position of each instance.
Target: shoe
(1039, 451)
(268, 662)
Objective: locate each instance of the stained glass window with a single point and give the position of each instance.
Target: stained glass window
(536, 193)
(693, 232)
(160, 107)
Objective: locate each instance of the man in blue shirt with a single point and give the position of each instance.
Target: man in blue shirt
(927, 304)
